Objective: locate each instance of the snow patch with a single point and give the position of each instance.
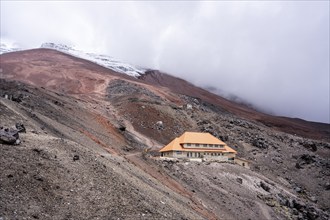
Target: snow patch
(103, 60)
(4, 48)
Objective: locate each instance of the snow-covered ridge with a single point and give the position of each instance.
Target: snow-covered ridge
(103, 60)
(4, 48)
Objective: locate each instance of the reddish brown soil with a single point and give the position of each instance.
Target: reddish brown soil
(56, 71)
(293, 126)
(97, 141)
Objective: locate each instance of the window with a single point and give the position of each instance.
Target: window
(204, 145)
(178, 152)
(210, 145)
(188, 145)
(197, 145)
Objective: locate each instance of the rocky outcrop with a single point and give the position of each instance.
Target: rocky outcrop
(121, 88)
(259, 142)
(9, 136)
(160, 125)
(20, 127)
(305, 159)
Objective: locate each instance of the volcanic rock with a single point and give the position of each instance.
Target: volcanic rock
(9, 136)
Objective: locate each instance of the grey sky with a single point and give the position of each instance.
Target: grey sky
(272, 54)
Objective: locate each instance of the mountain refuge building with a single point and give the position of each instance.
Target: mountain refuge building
(198, 145)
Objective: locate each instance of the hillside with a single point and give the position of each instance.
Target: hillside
(92, 136)
(290, 125)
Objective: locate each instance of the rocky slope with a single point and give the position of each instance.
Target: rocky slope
(92, 136)
(69, 166)
(290, 125)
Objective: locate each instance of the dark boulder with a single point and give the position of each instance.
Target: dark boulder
(223, 137)
(122, 128)
(239, 180)
(289, 203)
(20, 127)
(17, 98)
(203, 122)
(9, 136)
(264, 186)
(308, 159)
(298, 205)
(298, 166)
(75, 157)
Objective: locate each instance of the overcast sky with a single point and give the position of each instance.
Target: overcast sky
(272, 54)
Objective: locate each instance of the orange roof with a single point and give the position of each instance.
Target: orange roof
(196, 138)
(174, 145)
(199, 138)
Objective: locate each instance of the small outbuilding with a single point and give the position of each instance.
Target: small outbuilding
(242, 162)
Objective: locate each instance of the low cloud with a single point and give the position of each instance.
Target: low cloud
(274, 55)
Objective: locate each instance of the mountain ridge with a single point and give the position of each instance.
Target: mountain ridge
(103, 60)
(137, 72)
